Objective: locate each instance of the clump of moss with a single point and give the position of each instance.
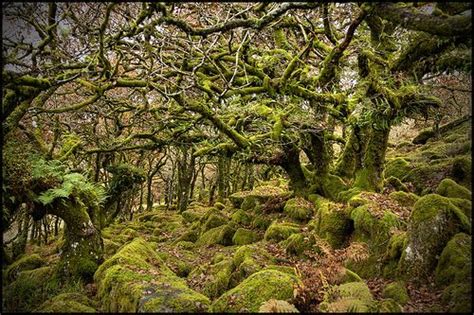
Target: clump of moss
(280, 231)
(219, 205)
(463, 204)
(397, 291)
(348, 297)
(212, 222)
(260, 287)
(247, 260)
(331, 223)
(244, 236)
(455, 262)
(451, 189)
(241, 217)
(261, 222)
(67, 303)
(298, 209)
(423, 136)
(296, 244)
(458, 297)
(433, 222)
(219, 235)
(395, 183)
(136, 279)
(405, 199)
(389, 306)
(27, 262)
(188, 236)
(462, 170)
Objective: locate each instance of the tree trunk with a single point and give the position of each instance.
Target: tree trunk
(291, 164)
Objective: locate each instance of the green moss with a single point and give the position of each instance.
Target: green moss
(185, 245)
(463, 204)
(433, 222)
(450, 188)
(405, 199)
(296, 244)
(280, 231)
(396, 291)
(462, 169)
(219, 235)
(298, 209)
(395, 183)
(189, 236)
(67, 303)
(244, 236)
(193, 215)
(249, 295)
(241, 217)
(213, 221)
(249, 203)
(388, 306)
(136, 279)
(333, 186)
(261, 222)
(28, 262)
(129, 234)
(219, 279)
(332, 223)
(423, 136)
(458, 297)
(455, 262)
(219, 205)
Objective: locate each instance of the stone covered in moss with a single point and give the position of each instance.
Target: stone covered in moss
(397, 291)
(296, 244)
(110, 247)
(260, 287)
(433, 222)
(455, 262)
(244, 236)
(212, 279)
(247, 260)
(463, 204)
(395, 183)
(348, 297)
(298, 209)
(449, 188)
(219, 235)
(248, 200)
(135, 279)
(29, 290)
(280, 231)
(389, 306)
(423, 136)
(189, 236)
(193, 214)
(67, 303)
(213, 221)
(27, 262)
(462, 169)
(219, 205)
(261, 222)
(405, 199)
(331, 223)
(458, 297)
(241, 217)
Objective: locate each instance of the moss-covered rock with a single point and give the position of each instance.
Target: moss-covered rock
(247, 260)
(462, 170)
(29, 290)
(261, 222)
(219, 205)
(458, 297)
(405, 199)
(213, 221)
(245, 236)
(396, 291)
(188, 236)
(455, 262)
(219, 235)
(348, 297)
(277, 306)
(27, 262)
(67, 303)
(280, 231)
(298, 209)
(260, 287)
(397, 168)
(212, 279)
(423, 136)
(296, 244)
(110, 247)
(136, 279)
(193, 214)
(451, 189)
(433, 222)
(395, 183)
(463, 204)
(389, 306)
(331, 223)
(241, 217)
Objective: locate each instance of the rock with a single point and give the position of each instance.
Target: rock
(67, 303)
(458, 297)
(449, 188)
(27, 262)
(455, 262)
(462, 169)
(241, 217)
(136, 279)
(405, 199)
(397, 168)
(260, 287)
(244, 236)
(298, 209)
(396, 291)
(247, 260)
(433, 222)
(219, 235)
(280, 231)
(214, 220)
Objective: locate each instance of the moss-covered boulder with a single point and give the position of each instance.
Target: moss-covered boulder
(110, 247)
(260, 287)
(280, 231)
(388, 306)
(449, 188)
(67, 303)
(29, 290)
(219, 205)
(247, 260)
(212, 279)
(191, 215)
(462, 170)
(136, 279)
(219, 235)
(261, 222)
(433, 222)
(458, 298)
(214, 220)
(241, 217)
(405, 199)
(423, 136)
(189, 236)
(298, 209)
(244, 236)
(455, 262)
(27, 262)
(396, 291)
(397, 168)
(348, 297)
(463, 204)
(248, 200)
(297, 243)
(331, 223)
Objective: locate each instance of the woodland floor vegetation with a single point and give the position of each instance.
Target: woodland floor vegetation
(236, 157)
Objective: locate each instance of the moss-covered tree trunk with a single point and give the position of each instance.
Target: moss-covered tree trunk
(82, 251)
(352, 154)
(370, 177)
(291, 164)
